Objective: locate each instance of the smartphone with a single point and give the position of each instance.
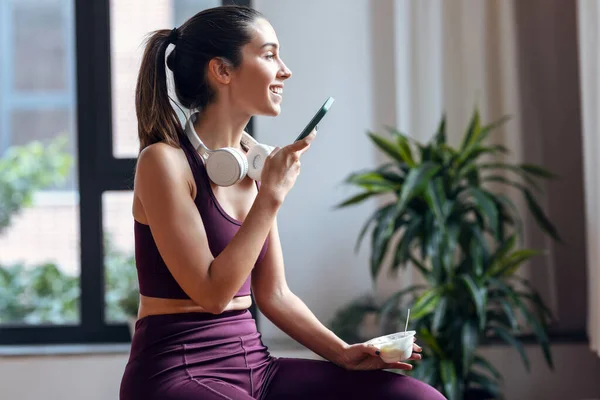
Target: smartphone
(316, 119)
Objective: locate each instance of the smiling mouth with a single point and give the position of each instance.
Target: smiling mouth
(277, 90)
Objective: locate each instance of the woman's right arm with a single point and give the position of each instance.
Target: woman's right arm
(178, 231)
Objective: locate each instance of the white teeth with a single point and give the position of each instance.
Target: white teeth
(277, 90)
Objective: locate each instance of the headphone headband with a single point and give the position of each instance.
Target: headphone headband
(247, 141)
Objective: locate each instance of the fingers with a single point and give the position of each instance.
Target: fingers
(273, 152)
(417, 348)
(304, 143)
(398, 365)
(372, 350)
(303, 150)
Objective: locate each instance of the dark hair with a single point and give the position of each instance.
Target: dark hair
(214, 32)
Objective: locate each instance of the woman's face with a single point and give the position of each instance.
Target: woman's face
(257, 84)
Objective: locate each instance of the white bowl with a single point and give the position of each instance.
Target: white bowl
(394, 347)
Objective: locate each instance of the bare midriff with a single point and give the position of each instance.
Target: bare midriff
(156, 306)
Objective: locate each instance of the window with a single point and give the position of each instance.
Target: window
(67, 79)
(37, 106)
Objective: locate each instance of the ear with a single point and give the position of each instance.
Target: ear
(220, 70)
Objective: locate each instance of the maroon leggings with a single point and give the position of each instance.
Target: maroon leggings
(195, 356)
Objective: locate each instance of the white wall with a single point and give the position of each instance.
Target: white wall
(318, 242)
(321, 266)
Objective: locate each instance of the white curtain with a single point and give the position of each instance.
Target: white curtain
(450, 56)
(589, 56)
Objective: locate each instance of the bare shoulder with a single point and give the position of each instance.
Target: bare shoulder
(161, 166)
(158, 156)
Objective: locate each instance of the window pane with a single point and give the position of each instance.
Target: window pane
(39, 199)
(121, 294)
(129, 28)
(39, 247)
(39, 30)
(46, 126)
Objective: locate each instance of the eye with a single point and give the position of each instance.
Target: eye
(270, 56)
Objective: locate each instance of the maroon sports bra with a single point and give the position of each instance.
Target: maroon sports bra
(154, 277)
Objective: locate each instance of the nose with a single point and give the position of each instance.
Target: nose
(284, 71)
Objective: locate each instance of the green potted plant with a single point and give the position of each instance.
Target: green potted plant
(466, 241)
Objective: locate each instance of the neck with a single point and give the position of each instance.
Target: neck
(219, 126)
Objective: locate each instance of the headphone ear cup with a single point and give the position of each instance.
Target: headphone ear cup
(226, 166)
(256, 160)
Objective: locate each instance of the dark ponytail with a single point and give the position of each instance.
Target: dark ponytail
(157, 120)
(214, 32)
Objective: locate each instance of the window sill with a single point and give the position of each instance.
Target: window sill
(278, 348)
(63, 350)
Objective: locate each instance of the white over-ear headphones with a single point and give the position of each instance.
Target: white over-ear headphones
(228, 165)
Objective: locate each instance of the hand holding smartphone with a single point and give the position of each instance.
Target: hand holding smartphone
(316, 119)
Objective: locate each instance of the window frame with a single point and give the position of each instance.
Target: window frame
(100, 172)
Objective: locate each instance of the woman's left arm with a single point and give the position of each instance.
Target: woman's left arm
(291, 315)
(286, 310)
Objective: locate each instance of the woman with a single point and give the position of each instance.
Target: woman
(200, 247)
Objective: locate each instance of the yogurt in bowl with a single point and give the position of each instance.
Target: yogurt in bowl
(394, 347)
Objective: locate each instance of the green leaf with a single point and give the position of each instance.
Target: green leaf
(514, 213)
(526, 171)
(365, 227)
(429, 340)
(390, 172)
(373, 182)
(415, 183)
(436, 254)
(426, 302)
(422, 268)
(404, 149)
(476, 255)
(510, 264)
(487, 205)
(392, 302)
(389, 148)
(484, 382)
(436, 199)
(356, 199)
(503, 250)
(467, 161)
(440, 136)
(439, 314)
(479, 296)
(404, 245)
(538, 329)
(540, 216)
(486, 365)
(472, 132)
(380, 239)
(486, 130)
(535, 297)
(426, 154)
(509, 313)
(538, 171)
(506, 181)
(449, 379)
(470, 341)
(513, 341)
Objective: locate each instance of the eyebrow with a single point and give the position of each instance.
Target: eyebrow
(269, 44)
